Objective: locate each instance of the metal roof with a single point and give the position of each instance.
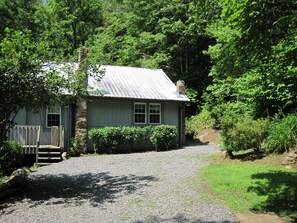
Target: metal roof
(136, 83)
(123, 82)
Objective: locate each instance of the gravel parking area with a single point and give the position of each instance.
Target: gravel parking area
(139, 188)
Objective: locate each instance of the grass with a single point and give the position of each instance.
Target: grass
(260, 186)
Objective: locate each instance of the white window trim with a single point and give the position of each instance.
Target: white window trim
(149, 115)
(145, 113)
(51, 113)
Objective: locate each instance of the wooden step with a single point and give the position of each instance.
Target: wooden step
(49, 158)
(43, 164)
(49, 153)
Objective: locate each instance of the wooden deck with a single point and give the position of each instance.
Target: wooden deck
(29, 138)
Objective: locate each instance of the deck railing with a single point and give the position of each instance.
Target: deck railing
(27, 136)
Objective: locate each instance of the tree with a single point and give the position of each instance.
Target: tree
(64, 26)
(254, 58)
(23, 83)
(17, 15)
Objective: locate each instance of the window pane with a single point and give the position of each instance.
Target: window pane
(140, 113)
(155, 109)
(155, 119)
(140, 118)
(53, 120)
(154, 113)
(139, 108)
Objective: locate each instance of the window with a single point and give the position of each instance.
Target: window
(139, 113)
(154, 113)
(53, 116)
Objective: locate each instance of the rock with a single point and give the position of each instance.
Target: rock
(15, 183)
(18, 177)
(290, 159)
(65, 156)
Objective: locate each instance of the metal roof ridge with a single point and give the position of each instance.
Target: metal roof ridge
(132, 67)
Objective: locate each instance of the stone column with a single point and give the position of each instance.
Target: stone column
(81, 131)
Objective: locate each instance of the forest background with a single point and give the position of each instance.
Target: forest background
(237, 57)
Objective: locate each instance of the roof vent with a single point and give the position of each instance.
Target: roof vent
(180, 87)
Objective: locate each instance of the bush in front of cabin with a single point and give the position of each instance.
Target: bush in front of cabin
(163, 137)
(136, 139)
(11, 157)
(107, 139)
(131, 136)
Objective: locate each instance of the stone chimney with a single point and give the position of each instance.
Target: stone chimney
(180, 87)
(81, 131)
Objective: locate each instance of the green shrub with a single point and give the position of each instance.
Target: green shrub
(116, 139)
(73, 150)
(131, 135)
(11, 157)
(196, 123)
(248, 134)
(231, 110)
(106, 140)
(282, 134)
(164, 137)
(242, 133)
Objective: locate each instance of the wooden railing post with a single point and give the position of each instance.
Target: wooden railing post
(55, 136)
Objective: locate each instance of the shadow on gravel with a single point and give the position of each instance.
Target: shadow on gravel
(180, 218)
(196, 142)
(92, 188)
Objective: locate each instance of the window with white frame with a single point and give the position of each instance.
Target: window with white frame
(140, 113)
(53, 116)
(154, 113)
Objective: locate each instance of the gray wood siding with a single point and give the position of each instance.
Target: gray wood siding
(20, 118)
(31, 118)
(170, 114)
(105, 112)
(109, 113)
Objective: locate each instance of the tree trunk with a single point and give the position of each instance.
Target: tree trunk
(227, 155)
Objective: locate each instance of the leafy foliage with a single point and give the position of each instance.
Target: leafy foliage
(17, 15)
(254, 70)
(107, 139)
(112, 139)
(163, 137)
(254, 56)
(282, 134)
(73, 150)
(244, 134)
(196, 123)
(23, 83)
(132, 135)
(64, 26)
(10, 157)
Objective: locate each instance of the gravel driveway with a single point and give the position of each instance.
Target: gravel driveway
(138, 188)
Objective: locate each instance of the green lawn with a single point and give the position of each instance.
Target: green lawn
(252, 186)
